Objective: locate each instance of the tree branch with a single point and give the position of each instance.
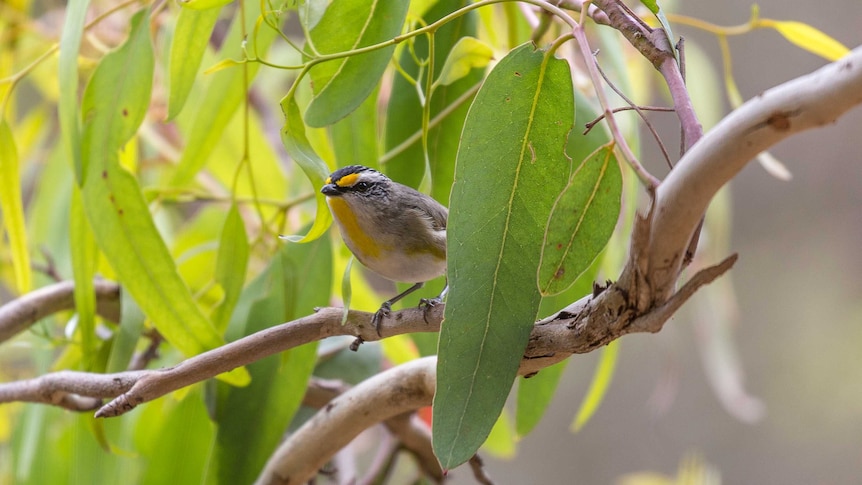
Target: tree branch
(22, 312)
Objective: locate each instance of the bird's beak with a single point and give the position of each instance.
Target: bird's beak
(330, 189)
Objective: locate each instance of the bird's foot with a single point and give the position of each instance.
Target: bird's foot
(383, 312)
(427, 304)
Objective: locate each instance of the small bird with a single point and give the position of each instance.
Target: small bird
(393, 230)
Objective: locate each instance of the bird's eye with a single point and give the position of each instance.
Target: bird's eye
(361, 186)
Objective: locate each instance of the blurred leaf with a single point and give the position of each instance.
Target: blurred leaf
(189, 42)
(581, 222)
(501, 440)
(404, 110)
(468, 53)
(300, 150)
(534, 396)
(509, 182)
(354, 138)
(12, 208)
(67, 76)
(223, 95)
(85, 254)
(252, 420)
(126, 335)
(399, 349)
(115, 103)
(233, 252)
(177, 440)
(808, 38)
(203, 5)
(599, 385)
(341, 85)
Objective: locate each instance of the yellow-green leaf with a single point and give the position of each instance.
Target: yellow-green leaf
(299, 148)
(599, 386)
(203, 4)
(808, 38)
(467, 54)
(189, 42)
(12, 208)
(115, 102)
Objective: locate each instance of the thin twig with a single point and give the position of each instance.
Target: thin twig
(639, 112)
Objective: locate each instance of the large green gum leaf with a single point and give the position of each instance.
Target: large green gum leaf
(511, 167)
(342, 84)
(115, 102)
(252, 419)
(404, 111)
(188, 44)
(223, 95)
(582, 221)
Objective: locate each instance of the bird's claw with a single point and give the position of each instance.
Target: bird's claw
(383, 312)
(427, 304)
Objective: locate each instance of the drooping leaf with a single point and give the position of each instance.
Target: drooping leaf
(582, 221)
(83, 249)
(534, 396)
(599, 385)
(127, 334)
(67, 75)
(341, 85)
(300, 150)
(808, 38)
(188, 44)
(223, 95)
(505, 186)
(404, 112)
(230, 266)
(85, 254)
(115, 103)
(252, 419)
(12, 208)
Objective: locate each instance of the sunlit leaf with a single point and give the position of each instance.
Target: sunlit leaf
(808, 38)
(12, 208)
(469, 53)
(223, 95)
(599, 385)
(509, 182)
(341, 85)
(300, 150)
(115, 103)
(203, 5)
(188, 44)
(582, 221)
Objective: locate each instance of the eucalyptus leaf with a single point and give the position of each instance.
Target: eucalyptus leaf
(511, 167)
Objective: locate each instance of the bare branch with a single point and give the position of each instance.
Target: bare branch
(388, 394)
(22, 312)
(810, 101)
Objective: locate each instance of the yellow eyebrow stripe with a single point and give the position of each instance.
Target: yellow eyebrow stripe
(348, 180)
